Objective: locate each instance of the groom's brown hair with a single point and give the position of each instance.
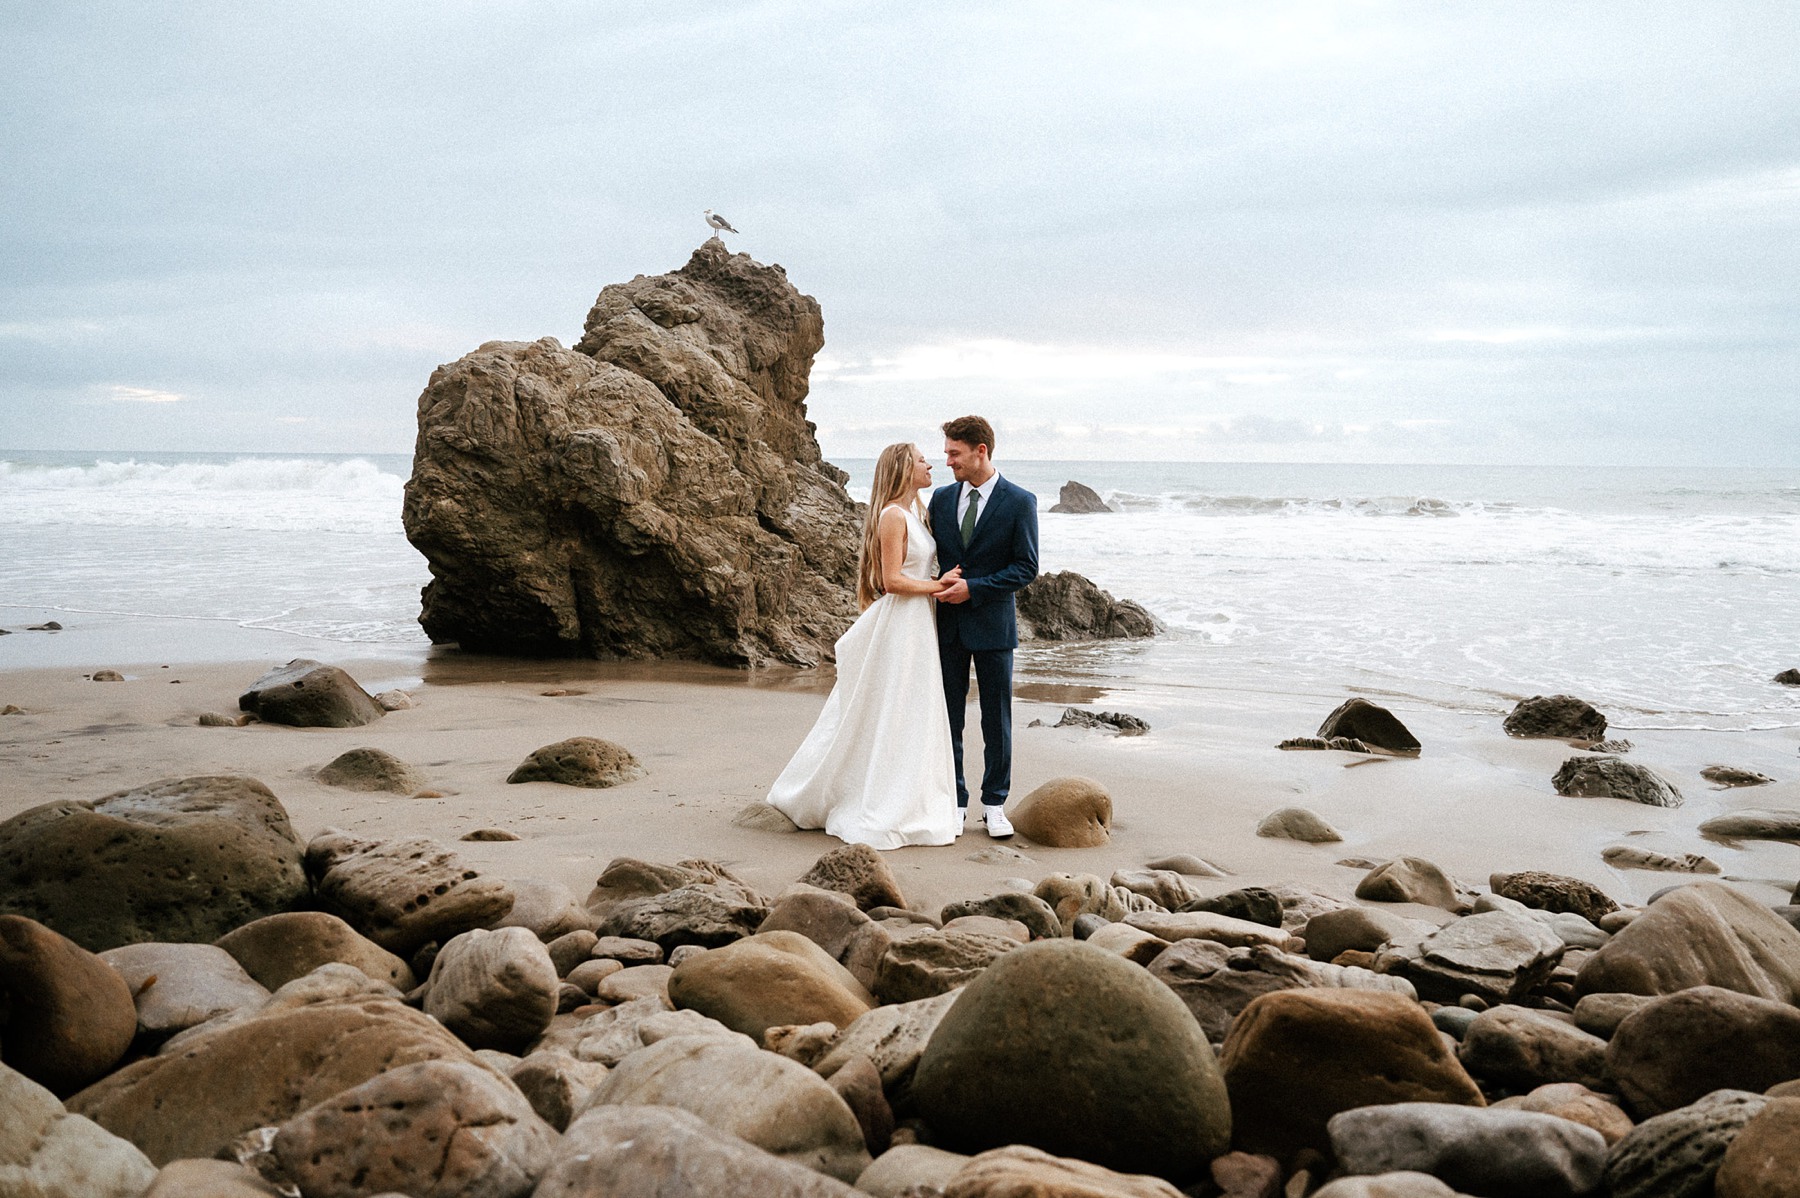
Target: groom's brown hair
(971, 431)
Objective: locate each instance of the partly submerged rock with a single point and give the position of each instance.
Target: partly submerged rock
(1560, 716)
(1079, 499)
(656, 491)
(1611, 778)
(1116, 722)
(1728, 776)
(1064, 606)
(1373, 725)
(1630, 856)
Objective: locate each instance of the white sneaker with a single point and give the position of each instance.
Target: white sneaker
(998, 826)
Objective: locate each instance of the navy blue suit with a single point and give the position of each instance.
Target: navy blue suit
(1001, 557)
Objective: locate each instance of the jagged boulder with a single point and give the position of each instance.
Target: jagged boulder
(309, 694)
(1561, 716)
(655, 491)
(1079, 499)
(1375, 726)
(1064, 606)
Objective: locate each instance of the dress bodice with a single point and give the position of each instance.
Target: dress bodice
(921, 548)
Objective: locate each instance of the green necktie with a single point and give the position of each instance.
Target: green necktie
(968, 524)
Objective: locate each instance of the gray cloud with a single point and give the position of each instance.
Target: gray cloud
(1446, 231)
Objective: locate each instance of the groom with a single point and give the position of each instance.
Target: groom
(988, 527)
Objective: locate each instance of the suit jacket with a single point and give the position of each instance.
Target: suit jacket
(1001, 557)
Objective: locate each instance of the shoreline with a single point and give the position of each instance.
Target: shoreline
(712, 739)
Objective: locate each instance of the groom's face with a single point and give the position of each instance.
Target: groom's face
(967, 462)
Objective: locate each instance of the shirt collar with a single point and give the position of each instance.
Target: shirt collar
(986, 488)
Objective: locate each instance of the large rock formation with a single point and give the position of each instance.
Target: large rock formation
(656, 491)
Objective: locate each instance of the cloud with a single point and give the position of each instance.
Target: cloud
(123, 394)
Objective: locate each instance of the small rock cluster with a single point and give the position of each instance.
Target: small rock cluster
(680, 1032)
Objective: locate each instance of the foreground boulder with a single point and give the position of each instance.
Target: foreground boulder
(704, 914)
(1561, 716)
(780, 1106)
(1506, 1154)
(1554, 892)
(1373, 725)
(1065, 813)
(309, 694)
(1678, 1155)
(434, 1127)
(1614, 778)
(66, 1017)
(665, 1152)
(45, 1152)
(1706, 934)
(101, 872)
(860, 872)
(259, 1072)
(179, 985)
(1764, 1159)
(1678, 1049)
(771, 979)
(1359, 1048)
(1216, 983)
(1496, 955)
(580, 761)
(1522, 1049)
(403, 893)
(276, 949)
(1067, 1047)
(654, 492)
(1064, 606)
(493, 989)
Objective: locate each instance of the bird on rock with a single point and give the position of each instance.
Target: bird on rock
(718, 223)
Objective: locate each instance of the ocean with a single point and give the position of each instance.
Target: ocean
(1666, 596)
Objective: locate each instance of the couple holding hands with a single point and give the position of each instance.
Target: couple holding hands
(883, 766)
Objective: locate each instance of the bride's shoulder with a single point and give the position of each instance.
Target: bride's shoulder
(895, 511)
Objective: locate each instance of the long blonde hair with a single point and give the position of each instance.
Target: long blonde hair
(893, 480)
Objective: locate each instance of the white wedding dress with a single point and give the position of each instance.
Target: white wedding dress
(876, 769)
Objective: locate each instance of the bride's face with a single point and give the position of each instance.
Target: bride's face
(921, 475)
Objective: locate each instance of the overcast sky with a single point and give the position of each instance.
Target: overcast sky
(1452, 232)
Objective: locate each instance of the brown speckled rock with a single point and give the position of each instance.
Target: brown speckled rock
(66, 1017)
(402, 893)
(1065, 813)
(433, 1127)
(184, 859)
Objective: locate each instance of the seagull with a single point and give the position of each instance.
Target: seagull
(718, 223)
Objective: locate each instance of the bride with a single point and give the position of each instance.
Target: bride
(876, 769)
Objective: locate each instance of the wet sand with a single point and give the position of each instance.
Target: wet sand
(712, 740)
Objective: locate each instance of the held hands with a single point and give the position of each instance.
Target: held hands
(952, 588)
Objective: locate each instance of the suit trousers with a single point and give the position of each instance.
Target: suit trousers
(993, 680)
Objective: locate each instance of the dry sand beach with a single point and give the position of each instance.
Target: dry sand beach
(711, 740)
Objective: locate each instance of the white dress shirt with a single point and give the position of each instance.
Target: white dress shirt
(987, 496)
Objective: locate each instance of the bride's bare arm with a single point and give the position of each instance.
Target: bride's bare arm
(892, 533)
